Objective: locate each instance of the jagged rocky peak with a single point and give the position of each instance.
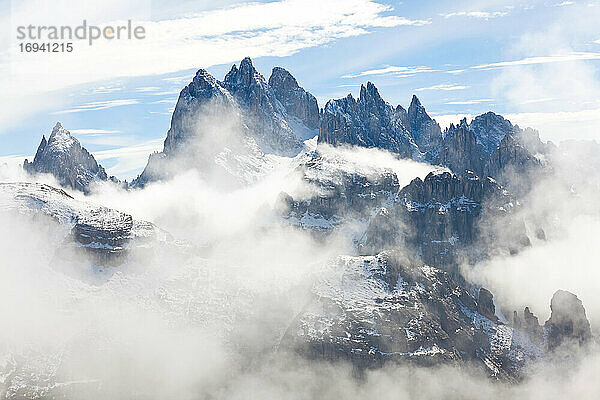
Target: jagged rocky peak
(296, 101)
(568, 323)
(63, 157)
(247, 84)
(426, 132)
(490, 129)
(368, 121)
(485, 304)
(461, 151)
(243, 116)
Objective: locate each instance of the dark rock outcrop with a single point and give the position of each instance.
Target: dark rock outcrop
(439, 217)
(512, 164)
(234, 122)
(485, 304)
(461, 152)
(367, 122)
(102, 235)
(425, 130)
(568, 324)
(490, 129)
(63, 157)
(372, 310)
(296, 101)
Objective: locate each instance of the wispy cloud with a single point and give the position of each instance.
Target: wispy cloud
(99, 105)
(391, 70)
(575, 56)
(469, 102)
(447, 119)
(597, 41)
(542, 119)
(92, 131)
(148, 89)
(476, 14)
(446, 87)
(564, 3)
(130, 160)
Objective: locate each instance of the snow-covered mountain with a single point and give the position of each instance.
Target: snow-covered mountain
(63, 157)
(399, 295)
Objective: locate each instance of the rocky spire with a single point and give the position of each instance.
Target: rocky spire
(63, 157)
(296, 101)
(425, 131)
(368, 121)
(461, 152)
(568, 323)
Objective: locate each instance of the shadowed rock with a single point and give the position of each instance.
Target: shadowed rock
(568, 323)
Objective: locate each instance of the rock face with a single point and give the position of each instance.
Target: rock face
(513, 164)
(233, 123)
(383, 308)
(568, 323)
(367, 122)
(104, 235)
(63, 157)
(461, 152)
(485, 304)
(440, 217)
(490, 129)
(296, 101)
(425, 131)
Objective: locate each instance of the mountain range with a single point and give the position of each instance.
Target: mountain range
(403, 298)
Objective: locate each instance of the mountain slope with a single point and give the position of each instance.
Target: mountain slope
(63, 157)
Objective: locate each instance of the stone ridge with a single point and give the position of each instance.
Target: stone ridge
(63, 157)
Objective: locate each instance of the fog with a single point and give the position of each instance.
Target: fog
(203, 317)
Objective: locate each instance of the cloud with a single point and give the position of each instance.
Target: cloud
(447, 119)
(391, 70)
(443, 86)
(130, 160)
(564, 3)
(574, 56)
(99, 105)
(279, 28)
(468, 102)
(476, 14)
(91, 131)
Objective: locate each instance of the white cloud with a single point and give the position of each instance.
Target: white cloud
(91, 131)
(574, 56)
(130, 160)
(564, 3)
(476, 14)
(391, 70)
(99, 105)
(279, 28)
(446, 87)
(469, 102)
(447, 119)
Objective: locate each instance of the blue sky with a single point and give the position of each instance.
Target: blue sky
(536, 62)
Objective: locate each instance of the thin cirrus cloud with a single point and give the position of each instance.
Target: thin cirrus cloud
(574, 56)
(98, 105)
(92, 131)
(469, 102)
(564, 3)
(223, 35)
(391, 70)
(476, 14)
(443, 86)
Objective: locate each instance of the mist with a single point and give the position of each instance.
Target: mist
(205, 320)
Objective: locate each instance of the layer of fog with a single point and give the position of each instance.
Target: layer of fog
(565, 205)
(205, 325)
